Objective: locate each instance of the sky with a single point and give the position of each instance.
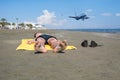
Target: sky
(54, 14)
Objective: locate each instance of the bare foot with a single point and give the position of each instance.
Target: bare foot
(42, 49)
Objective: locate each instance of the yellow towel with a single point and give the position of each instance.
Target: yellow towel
(25, 46)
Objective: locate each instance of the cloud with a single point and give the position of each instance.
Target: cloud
(117, 14)
(106, 14)
(49, 18)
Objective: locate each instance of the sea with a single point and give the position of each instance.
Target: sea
(97, 30)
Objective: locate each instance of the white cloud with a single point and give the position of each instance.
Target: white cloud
(49, 18)
(117, 14)
(106, 14)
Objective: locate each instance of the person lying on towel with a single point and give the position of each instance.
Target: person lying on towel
(42, 39)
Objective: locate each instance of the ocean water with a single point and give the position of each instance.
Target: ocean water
(97, 30)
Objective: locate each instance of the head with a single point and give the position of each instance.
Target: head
(37, 34)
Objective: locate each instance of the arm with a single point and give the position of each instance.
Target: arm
(31, 41)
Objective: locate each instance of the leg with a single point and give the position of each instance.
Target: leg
(61, 46)
(57, 45)
(40, 45)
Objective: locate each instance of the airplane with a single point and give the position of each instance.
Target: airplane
(82, 17)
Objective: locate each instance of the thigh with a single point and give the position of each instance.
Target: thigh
(51, 40)
(39, 42)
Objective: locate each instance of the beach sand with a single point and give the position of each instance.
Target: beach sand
(99, 63)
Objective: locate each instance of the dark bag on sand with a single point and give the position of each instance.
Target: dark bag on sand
(93, 44)
(84, 43)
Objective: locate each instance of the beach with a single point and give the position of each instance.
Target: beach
(84, 63)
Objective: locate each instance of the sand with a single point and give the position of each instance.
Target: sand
(99, 63)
